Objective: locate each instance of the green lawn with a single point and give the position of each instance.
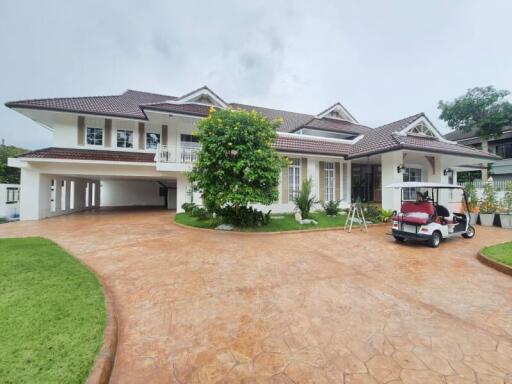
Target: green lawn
(500, 252)
(52, 314)
(286, 223)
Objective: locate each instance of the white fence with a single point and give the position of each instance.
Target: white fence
(499, 187)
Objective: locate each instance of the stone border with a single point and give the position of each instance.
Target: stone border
(501, 267)
(291, 231)
(104, 362)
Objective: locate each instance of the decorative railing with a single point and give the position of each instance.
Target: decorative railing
(184, 155)
(499, 185)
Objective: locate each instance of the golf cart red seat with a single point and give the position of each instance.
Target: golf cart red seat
(415, 213)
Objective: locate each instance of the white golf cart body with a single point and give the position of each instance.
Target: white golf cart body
(429, 219)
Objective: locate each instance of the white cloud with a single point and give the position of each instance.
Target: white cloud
(382, 60)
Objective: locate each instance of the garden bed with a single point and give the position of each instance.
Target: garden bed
(53, 313)
(501, 253)
(278, 222)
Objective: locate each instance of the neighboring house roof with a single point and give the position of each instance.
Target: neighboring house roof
(89, 154)
(472, 137)
(387, 138)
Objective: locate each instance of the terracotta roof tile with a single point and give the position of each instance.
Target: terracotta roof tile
(311, 146)
(89, 154)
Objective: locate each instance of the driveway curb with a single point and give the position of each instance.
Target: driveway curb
(244, 233)
(104, 362)
(493, 263)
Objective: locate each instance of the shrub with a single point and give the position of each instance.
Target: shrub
(200, 212)
(385, 214)
(507, 199)
(372, 213)
(472, 196)
(488, 203)
(242, 216)
(332, 208)
(304, 200)
(188, 207)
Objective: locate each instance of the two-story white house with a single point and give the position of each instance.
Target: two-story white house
(133, 149)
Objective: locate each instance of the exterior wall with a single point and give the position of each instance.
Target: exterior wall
(8, 210)
(390, 162)
(40, 199)
(118, 193)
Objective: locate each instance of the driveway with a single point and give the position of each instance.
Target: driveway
(200, 306)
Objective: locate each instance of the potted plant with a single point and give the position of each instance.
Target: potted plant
(488, 205)
(506, 204)
(472, 206)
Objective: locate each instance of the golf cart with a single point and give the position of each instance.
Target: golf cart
(424, 219)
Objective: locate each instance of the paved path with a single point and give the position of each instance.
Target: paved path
(198, 306)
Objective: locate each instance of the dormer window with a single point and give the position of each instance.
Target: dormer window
(422, 129)
(327, 134)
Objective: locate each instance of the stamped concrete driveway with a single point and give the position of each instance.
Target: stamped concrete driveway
(200, 306)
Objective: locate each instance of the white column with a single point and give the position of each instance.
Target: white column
(181, 192)
(58, 195)
(34, 195)
(97, 191)
(89, 194)
(390, 162)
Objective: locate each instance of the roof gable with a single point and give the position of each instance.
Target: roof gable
(338, 112)
(202, 96)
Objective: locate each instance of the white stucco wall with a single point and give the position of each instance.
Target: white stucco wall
(118, 193)
(8, 210)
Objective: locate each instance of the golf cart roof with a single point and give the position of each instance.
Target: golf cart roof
(419, 184)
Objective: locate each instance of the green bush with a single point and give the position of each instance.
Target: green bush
(242, 216)
(471, 196)
(188, 207)
(200, 212)
(331, 208)
(507, 199)
(304, 200)
(376, 214)
(489, 202)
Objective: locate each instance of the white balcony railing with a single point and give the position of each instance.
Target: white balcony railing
(184, 155)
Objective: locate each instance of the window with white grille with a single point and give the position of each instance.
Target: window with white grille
(329, 181)
(293, 179)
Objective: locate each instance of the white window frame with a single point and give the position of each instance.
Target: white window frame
(146, 140)
(126, 131)
(410, 193)
(94, 144)
(294, 175)
(329, 181)
(12, 195)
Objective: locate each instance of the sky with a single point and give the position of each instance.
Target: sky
(383, 60)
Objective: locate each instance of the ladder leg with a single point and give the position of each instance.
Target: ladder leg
(352, 220)
(348, 217)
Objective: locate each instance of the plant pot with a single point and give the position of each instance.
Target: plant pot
(506, 220)
(474, 218)
(487, 219)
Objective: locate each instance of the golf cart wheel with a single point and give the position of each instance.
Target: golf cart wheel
(435, 240)
(470, 233)
(399, 239)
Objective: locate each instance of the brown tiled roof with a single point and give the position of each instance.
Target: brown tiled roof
(386, 138)
(297, 144)
(132, 104)
(89, 154)
(337, 126)
(127, 104)
(291, 120)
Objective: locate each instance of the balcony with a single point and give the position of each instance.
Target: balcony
(175, 159)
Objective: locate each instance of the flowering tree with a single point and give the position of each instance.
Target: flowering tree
(237, 164)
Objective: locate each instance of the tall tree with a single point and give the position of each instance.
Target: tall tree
(9, 175)
(237, 164)
(485, 109)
